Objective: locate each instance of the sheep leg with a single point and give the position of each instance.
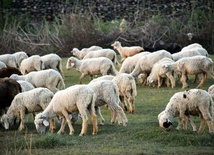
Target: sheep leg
(22, 119)
(122, 115)
(201, 128)
(66, 115)
(172, 80)
(94, 122)
(130, 100)
(62, 128)
(84, 122)
(208, 118)
(192, 124)
(81, 77)
(159, 81)
(183, 80)
(123, 103)
(204, 77)
(98, 112)
(91, 77)
(52, 125)
(113, 116)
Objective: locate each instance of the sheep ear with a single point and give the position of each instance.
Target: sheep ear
(46, 123)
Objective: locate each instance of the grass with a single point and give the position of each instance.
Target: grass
(141, 136)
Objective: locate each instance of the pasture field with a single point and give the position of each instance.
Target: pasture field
(141, 136)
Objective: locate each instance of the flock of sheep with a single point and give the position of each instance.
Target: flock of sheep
(30, 84)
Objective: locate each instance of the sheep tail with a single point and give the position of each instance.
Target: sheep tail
(114, 70)
(133, 85)
(59, 67)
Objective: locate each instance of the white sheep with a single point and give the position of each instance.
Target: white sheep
(126, 51)
(81, 54)
(145, 63)
(196, 102)
(127, 88)
(9, 60)
(45, 78)
(108, 53)
(24, 103)
(52, 61)
(211, 90)
(92, 66)
(107, 93)
(158, 75)
(20, 56)
(26, 86)
(32, 63)
(75, 98)
(2, 65)
(193, 66)
(190, 46)
(129, 63)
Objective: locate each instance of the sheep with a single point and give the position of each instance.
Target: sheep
(195, 102)
(129, 63)
(26, 86)
(145, 63)
(194, 45)
(108, 53)
(8, 71)
(32, 63)
(20, 56)
(27, 102)
(74, 98)
(186, 53)
(2, 65)
(107, 93)
(52, 61)
(191, 65)
(45, 78)
(126, 51)
(157, 74)
(81, 54)
(9, 88)
(93, 66)
(211, 90)
(9, 60)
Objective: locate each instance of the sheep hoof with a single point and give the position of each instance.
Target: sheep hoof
(82, 134)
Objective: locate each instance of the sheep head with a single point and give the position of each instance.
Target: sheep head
(6, 121)
(116, 44)
(41, 123)
(165, 121)
(70, 63)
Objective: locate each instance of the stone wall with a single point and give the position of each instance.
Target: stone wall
(105, 9)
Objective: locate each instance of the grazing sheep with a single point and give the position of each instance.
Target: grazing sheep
(32, 63)
(52, 61)
(75, 98)
(45, 78)
(107, 93)
(81, 54)
(195, 102)
(191, 65)
(129, 63)
(9, 60)
(8, 71)
(93, 66)
(9, 88)
(186, 53)
(27, 102)
(211, 90)
(126, 51)
(2, 65)
(145, 63)
(19, 57)
(26, 86)
(127, 88)
(157, 74)
(108, 53)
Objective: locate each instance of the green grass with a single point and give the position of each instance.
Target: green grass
(142, 135)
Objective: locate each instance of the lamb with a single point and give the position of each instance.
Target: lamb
(52, 61)
(145, 63)
(8, 71)
(126, 51)
(93, 66)
(129, 63)
(26, 86)
(81, 54)
(9, 60)
(157, 74)
(27, 102)
(19, 57)
(127, 88)
(33, 63)
(107, 93)
(9, 88)
(74, 98)
(2, 65)
(211, 90)
(45, 78)
(191, 65)
(186, 53)
(108, 53)
(195, 102)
